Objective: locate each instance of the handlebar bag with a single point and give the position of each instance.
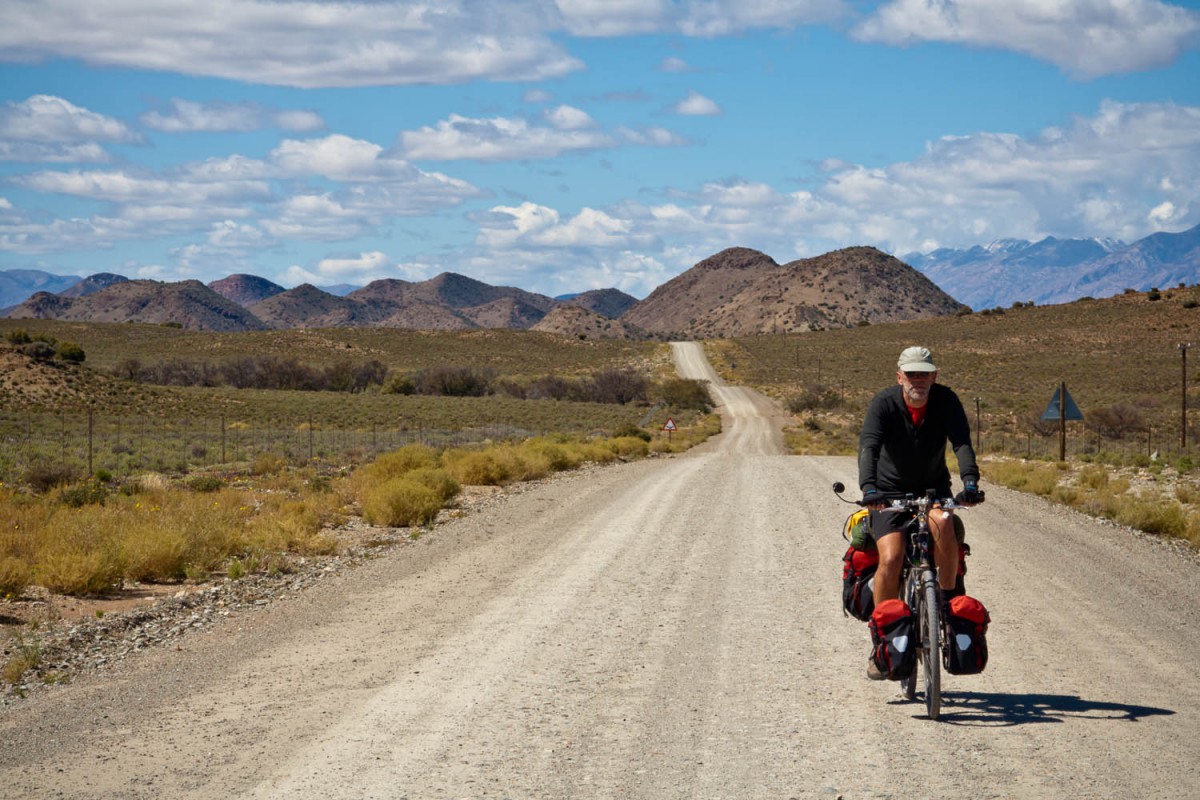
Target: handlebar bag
(893, 638)
(966, 650)
(858, 582)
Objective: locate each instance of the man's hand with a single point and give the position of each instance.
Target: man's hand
(970, 495)
(872, 499)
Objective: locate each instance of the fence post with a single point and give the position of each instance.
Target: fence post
(223, 461)
(91, 430)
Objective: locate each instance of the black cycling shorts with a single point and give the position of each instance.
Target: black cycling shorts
(890, 520)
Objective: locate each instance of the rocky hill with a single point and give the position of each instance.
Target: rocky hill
(245, 290)
(741, 292)
(573, 320)
(611, 303)
(190, 304)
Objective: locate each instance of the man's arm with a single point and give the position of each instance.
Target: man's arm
(958, 431)
(870, 441)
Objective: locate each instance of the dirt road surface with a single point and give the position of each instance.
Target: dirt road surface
(662, 629)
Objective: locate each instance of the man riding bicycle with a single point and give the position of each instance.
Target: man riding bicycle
(902, 450)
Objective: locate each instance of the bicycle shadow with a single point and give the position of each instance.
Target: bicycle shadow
(1002, 710)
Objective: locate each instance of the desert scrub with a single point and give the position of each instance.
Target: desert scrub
(1152, 514)
(286, 524)
(1040, 479)
(400, 502)
(25, 655)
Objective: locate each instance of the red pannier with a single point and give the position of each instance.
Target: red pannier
(858, 582)
(893, 636)
(966, 646)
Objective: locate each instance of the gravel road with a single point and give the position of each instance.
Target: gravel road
(663, 629)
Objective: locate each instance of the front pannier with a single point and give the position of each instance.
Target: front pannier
(892, 635)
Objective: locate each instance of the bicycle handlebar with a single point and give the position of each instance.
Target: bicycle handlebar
(908, 501)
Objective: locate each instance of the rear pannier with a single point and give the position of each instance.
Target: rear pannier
(858, 582)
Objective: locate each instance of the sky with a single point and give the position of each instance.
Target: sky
(561, 146)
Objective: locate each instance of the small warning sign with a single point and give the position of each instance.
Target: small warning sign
(670, 425)
(1062, 406)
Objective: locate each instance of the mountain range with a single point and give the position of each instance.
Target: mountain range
(736, 292)
(1052, 271)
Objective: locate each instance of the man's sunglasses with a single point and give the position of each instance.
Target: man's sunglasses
(911, 375)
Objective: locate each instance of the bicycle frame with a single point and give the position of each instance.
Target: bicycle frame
(921, 590)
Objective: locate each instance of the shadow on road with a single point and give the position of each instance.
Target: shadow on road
(986, 709)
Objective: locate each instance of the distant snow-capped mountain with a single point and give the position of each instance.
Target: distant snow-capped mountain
(1060, 270)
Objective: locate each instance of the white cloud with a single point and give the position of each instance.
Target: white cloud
(296, 43)
(673, 64)
(1087, 38)
(33, 153)
(45, 118)
(531, 225)
(186, 116)
(497, 139)
(652, 137)
(693, 17)
(568, 118)
(49, 129)
(360, 269)
(696, 104)
(537, 96)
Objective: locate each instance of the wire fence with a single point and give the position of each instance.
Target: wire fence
(88, 443)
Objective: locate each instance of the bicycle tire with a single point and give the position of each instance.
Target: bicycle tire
(908, 686)
(931, 650)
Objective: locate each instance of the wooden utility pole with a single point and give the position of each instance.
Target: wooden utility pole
(1062, 421)
(1183, 348)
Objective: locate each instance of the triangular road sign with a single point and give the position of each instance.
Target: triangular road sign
(1053, 412)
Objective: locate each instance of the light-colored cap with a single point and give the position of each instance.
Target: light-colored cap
(916, 359)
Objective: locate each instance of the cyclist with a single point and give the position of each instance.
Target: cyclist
(902, 450)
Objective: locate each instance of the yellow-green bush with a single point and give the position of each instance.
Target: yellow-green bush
(400, 502)
(1151, 514)
(439, 480)
(629, 447)
(406, 459)
(15, 575)
(82, 557)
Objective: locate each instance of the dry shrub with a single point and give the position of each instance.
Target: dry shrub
(398, 462)
(15, 575)
(558, 455)
(268, 464)
(629, 447)
(285, 524)
(400, 502)
(82, 556)
(490, 467)
(1151, 514)
(439, 480)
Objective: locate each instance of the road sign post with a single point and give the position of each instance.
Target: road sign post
(1062, 408)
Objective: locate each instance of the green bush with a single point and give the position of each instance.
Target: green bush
(82, 494)
(206, 483)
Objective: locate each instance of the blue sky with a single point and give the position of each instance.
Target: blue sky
(580, 144)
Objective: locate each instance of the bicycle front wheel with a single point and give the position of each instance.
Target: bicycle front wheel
(931, 646)
(912, 595)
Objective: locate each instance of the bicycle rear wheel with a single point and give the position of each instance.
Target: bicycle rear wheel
(931, 646)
